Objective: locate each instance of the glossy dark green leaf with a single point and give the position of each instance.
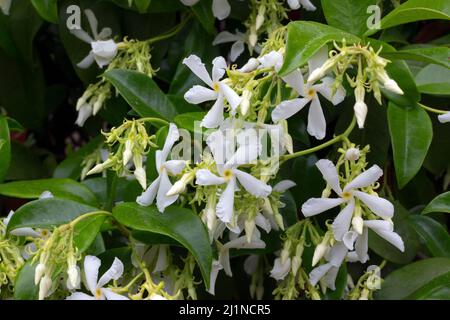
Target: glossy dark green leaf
(5, 147)
(436, 55)
(47, 213)
(178, 223)
(142, 5)
(411, 135)
(187, 120)
(60, 188)
(434, 79)
(47, 9)
(305, 38)
(86, 231)
(24, 287)
(142, 94)
(415, 10)
(403, 283)
(439, 204)
(433, 234)
(348, 15)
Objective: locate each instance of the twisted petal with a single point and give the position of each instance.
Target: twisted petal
(113, 273)
(104, 51)
(205, 177)
(307, 4)
(365, 179)
(295, 80)
(294, 4)
(91, 266)
(337, 254)
(381, 207)
(82, 35)
(329, 174)
(349, 239)
(224, 209)
(341, 223)
(162, 200)
(330, 278)
(105, 33)
(253, 186)
(318, 205)
(362, 246)
(288, 108)
(175, 167)
(198, 68)
(172, 136)
(273, 59)
(325, 89)
(318, 273)
(390, 236)
(199, 94)
(316, 120)
(219, 67)
(214, 117)
(232, 97)
(149, 195)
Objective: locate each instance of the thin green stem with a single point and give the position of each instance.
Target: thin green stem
(432, 109)
(321, 146)
(172, 32)
(88, 215)
(154, 120)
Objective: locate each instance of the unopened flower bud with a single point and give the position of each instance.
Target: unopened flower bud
(250, 66)
(39, 272)
(295, 265)
(260, 17)
(180, 185)
(100, 167)
(245, 102)
(319, 253)
(352, 154)
(44, 287)
(392, 86)
(358, 224)
(253, 38)
(279, 220)
(443, 118)
(249, 229)
(127, 154)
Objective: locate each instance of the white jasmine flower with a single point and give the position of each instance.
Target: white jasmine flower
(95, 285)
(103, 51)
(160, 186)
(309, 95)
(280, 269)
(220, 91)
(221, 8)
(329, 270)
(5, 5)
(296, 4)
(229, 175)
(443, 118)
(352, 154)
(238, 40)
(381, 207)
(251, 65)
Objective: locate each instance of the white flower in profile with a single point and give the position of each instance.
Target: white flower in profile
(238, 39)
(103, 50)
(5, 5)
(215, 268)
(226, 165)
(381, 207)
(360, 243)
(220, 91)
(221, 8)
(280, 268)
(97, 286)
(329, 270)
(309, 95)
(160, 186)
(444, 118)
(296, 4)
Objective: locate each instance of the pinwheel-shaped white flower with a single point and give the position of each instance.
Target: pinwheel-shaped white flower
(360, 245)
(309, 95)
(238, 40)
(103, 50)
(329, 270)
(160, 186)
(381, 207)
(221, 8)
(5, 5)
(229, 175)
(219, 91)
(296, 4)
(97, 286)
(444, 118)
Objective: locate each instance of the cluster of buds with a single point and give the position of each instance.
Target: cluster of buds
(11, 259)
(92, 100)
(367, 284)
(131, 142)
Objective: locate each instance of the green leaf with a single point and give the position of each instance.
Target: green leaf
(86, 231)
(14, 125)
(436, 55)
(47, 213)
(305, 38)
(178, 223)
(403, 283)
(142, 5)
(24, 287)
(411, 135)
(5, 147)
(60, 188)
(415, 10)
(439, 204)
(47, 9)
(434, 79)
(186, 120)
(347, 14)
(203, 13)
(433, 234)
(404, 227)
(142, 94)
(152, 238)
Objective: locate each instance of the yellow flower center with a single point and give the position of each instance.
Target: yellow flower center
(44, 233)
(311, 92)
(98, 293)
(227, 174)
(346, 195)
(216, 86)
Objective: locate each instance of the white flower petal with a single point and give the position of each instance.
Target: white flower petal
(318, 273)
(280, 270)
(216, 267)
(232, 97)
(380, 225)
(294, 4)
(307, 4)
(288, 108)
(325, 89)
(271, 60)
(113, 273)
(318, 59)
(226, 36)
(349, 239)
(318, 205)
(5, 6)
(110, 295)
(341, 223)
(393, 238)
(214, 117)
(236, 50)
(86, 62)
(25, 232)
(330, 278)
(149, 195)
(329, 174)
(91, 266)
(93, 23)
(199, 94)
(221, 9)
(172, 136)
(444, 118)
(162, 200)
(284, 185)
(337, 254)
(162, 262)
(250, 66)
(175, 167)
(362, 246)
(189, 3)
(205, 177)
(104, 52)
(219, 67)
(83, 114)
(198, 68)
(253, 185)
(225, 206)
(80, 296)
(105, 33)
(316, 120)
(381, 207)
(82, 35)
(365, 179)
(263, 223)
(295, 80)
